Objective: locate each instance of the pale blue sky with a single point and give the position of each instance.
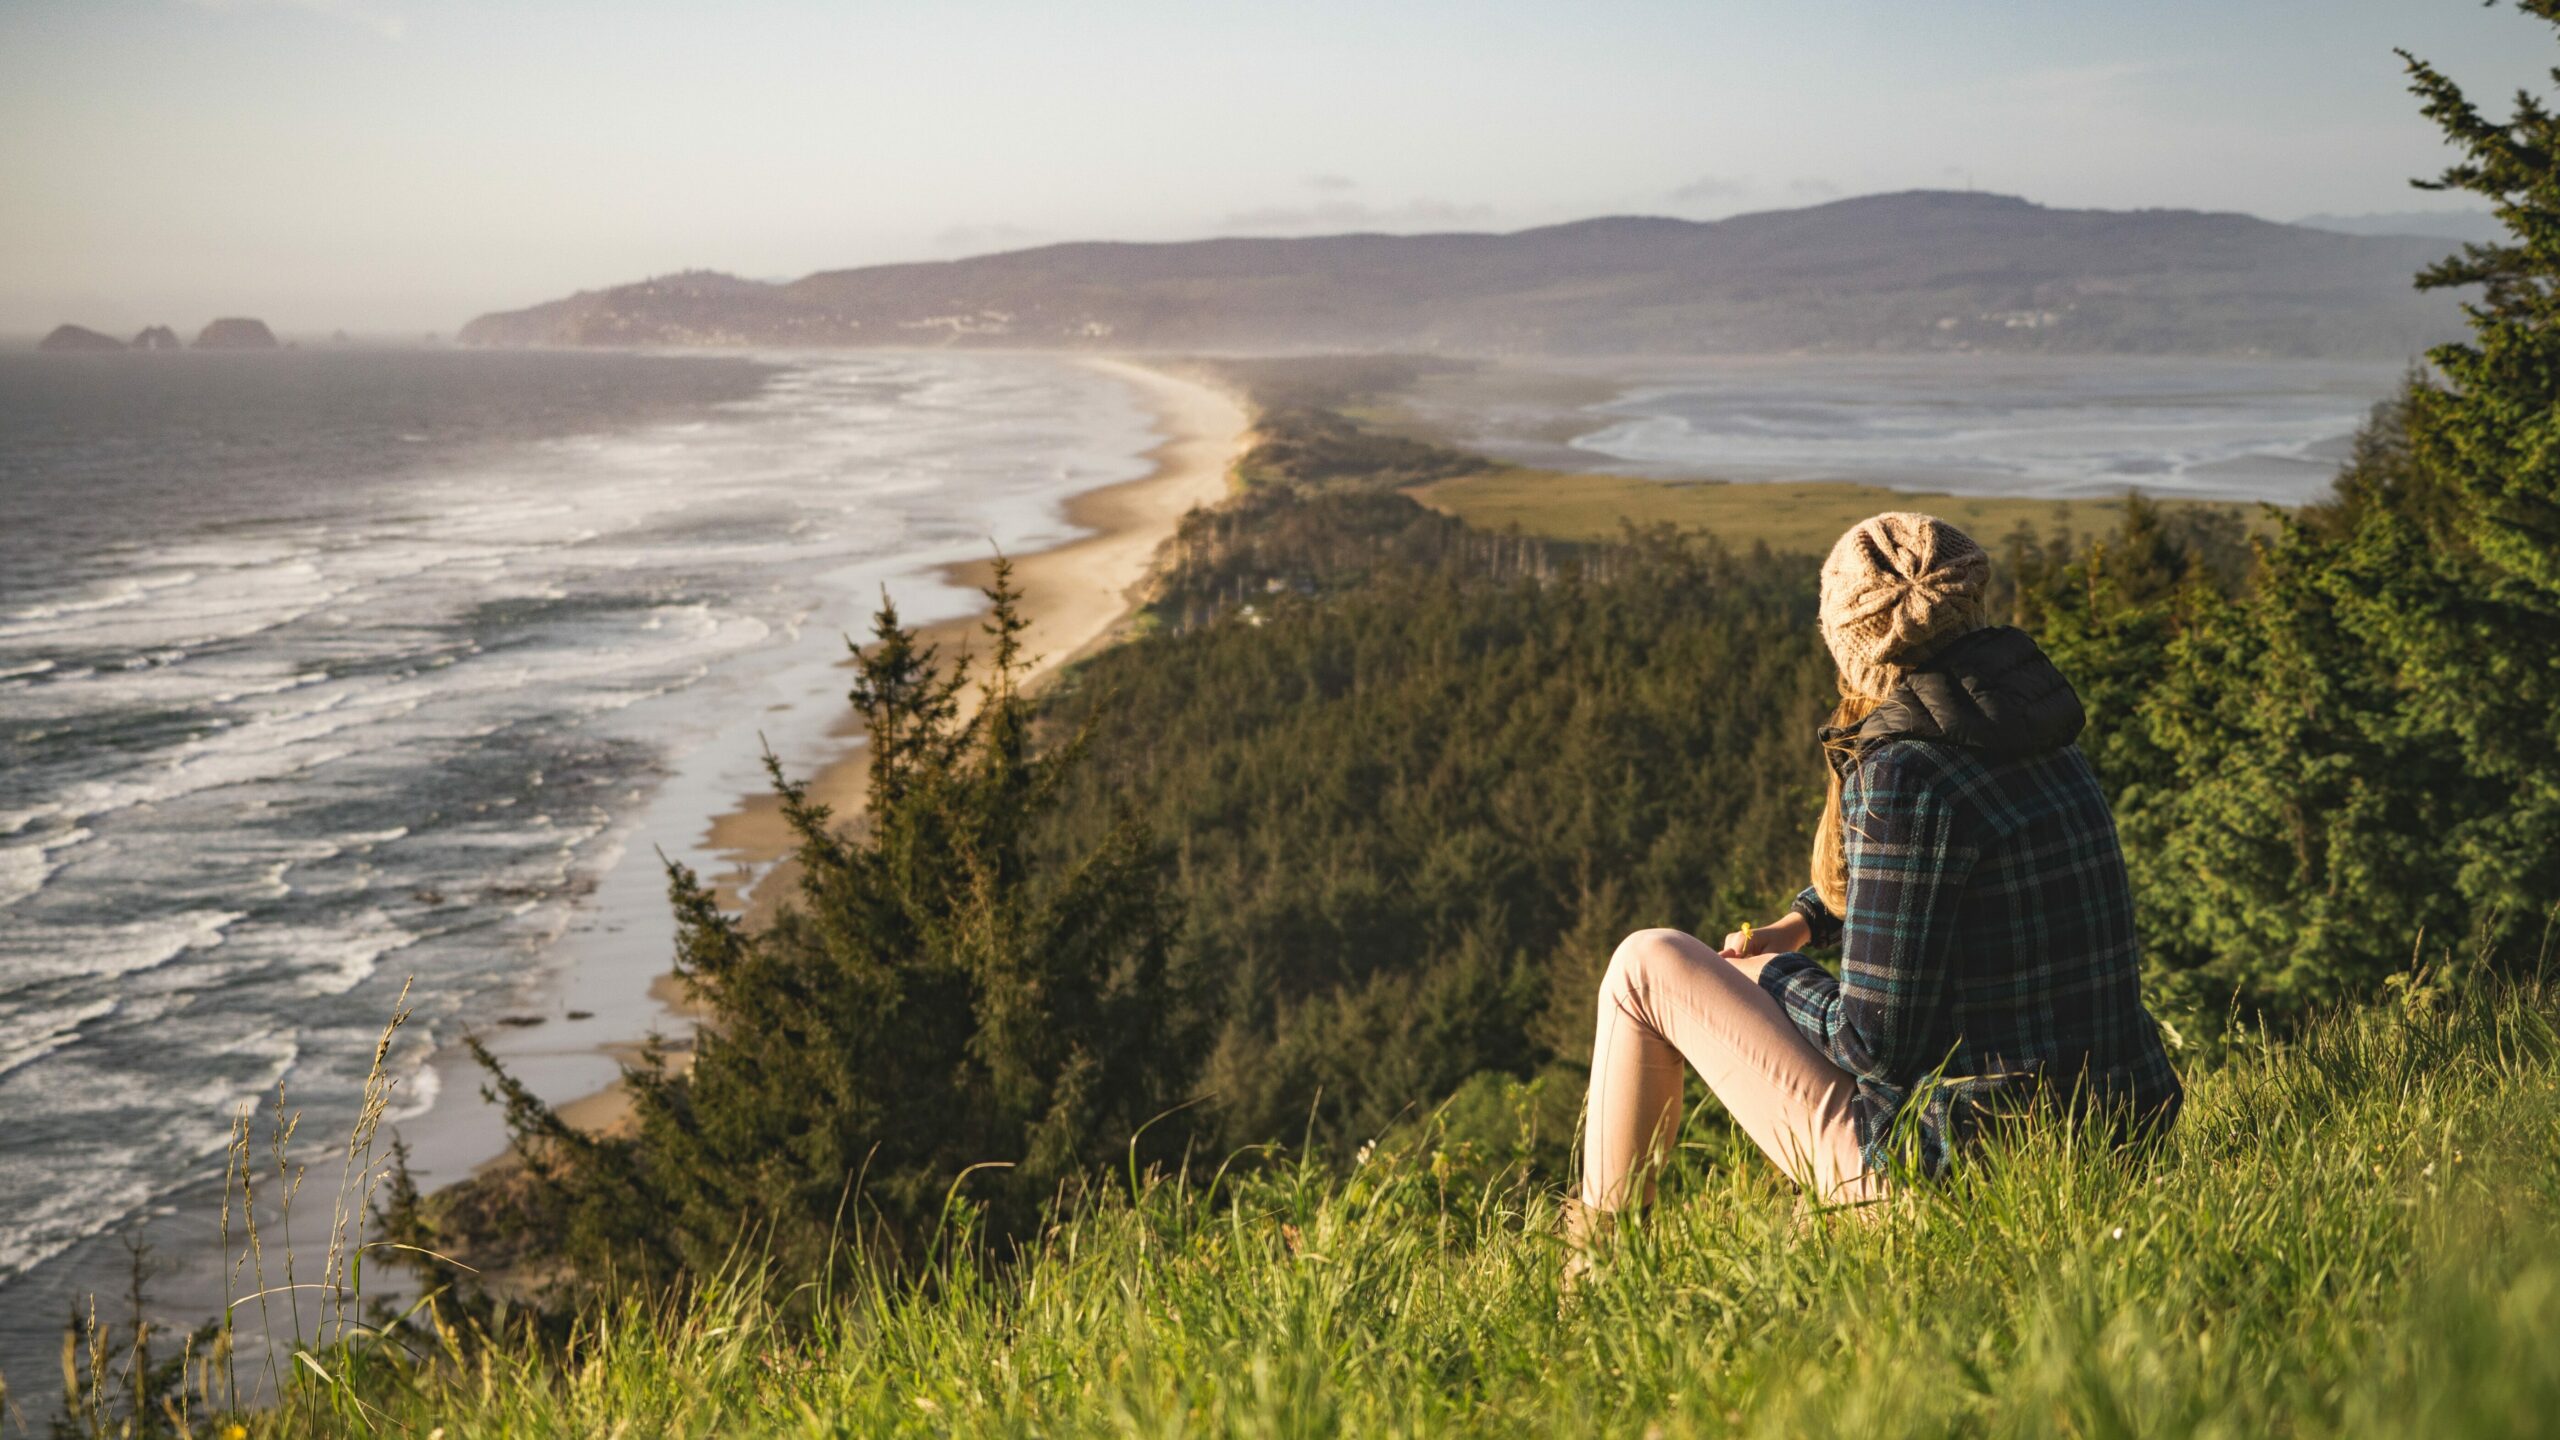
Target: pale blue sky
(404, 164)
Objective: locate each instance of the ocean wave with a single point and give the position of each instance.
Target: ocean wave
(25, 868)
(13, 821)
(58, 1200)
(227, 602)
(256, 748)
(339, 961)
(128, 590)
(30, 1035)
(298, 680)
(23, 871)
(49, 950)
(417, 1078)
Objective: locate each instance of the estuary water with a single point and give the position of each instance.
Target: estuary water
(2063, 426)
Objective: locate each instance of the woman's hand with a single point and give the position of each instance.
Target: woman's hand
(1745, 946)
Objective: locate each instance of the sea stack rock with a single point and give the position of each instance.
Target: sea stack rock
(157, 337)
(236, 333)
(74, 338)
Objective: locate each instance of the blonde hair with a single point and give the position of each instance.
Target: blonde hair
(1830, 837)
(1896, 588)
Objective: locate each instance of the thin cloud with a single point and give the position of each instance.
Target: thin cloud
(2106, 90)
(1710, 188)
(1812, 188)
(2111, 79)
(995, 235)
(380, 21)
(1331, 184)
(1354, 215)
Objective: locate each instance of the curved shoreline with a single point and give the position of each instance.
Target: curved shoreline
(1078, 596)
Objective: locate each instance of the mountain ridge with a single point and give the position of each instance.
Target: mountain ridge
(1909, 270)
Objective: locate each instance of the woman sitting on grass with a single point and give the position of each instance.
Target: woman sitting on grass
(1967, 867)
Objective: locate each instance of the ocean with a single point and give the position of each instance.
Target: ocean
(323, 670)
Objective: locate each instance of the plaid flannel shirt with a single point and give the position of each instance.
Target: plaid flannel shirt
(1989, 942)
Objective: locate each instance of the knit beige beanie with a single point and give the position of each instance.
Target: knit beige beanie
(1896, 588)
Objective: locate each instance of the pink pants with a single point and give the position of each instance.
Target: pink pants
(1670, 998)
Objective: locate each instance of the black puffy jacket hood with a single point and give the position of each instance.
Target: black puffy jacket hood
(1991, 690)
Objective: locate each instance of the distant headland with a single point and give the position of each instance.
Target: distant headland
(232, 332)
(236, 333)
(77, 339)
(1916, 271)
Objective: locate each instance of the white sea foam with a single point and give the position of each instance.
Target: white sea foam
(63, 1199)
(276, 686)
(114, 595)
(23, 871)
(336, 961)
(13, 821)
(25, 868)
(30, 1035)
(48, 950)
(418, 1086)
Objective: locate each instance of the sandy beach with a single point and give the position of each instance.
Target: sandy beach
(1078, 597)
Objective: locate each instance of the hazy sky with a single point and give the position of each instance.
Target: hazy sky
(405, 164)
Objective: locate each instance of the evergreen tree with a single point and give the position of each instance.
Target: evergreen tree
(940, 997)
(2363, 742)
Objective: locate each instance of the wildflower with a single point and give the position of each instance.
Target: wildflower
(1362, 1157)
(2118, 1235)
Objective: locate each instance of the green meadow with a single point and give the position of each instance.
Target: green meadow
(1800, 517)
(2350, 1233)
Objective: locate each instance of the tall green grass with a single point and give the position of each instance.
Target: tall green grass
(2350, 1233)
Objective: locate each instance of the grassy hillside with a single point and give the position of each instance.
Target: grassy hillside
(2349, 1234)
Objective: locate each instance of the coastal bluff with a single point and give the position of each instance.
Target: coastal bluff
(236, 332)
(77, 339)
